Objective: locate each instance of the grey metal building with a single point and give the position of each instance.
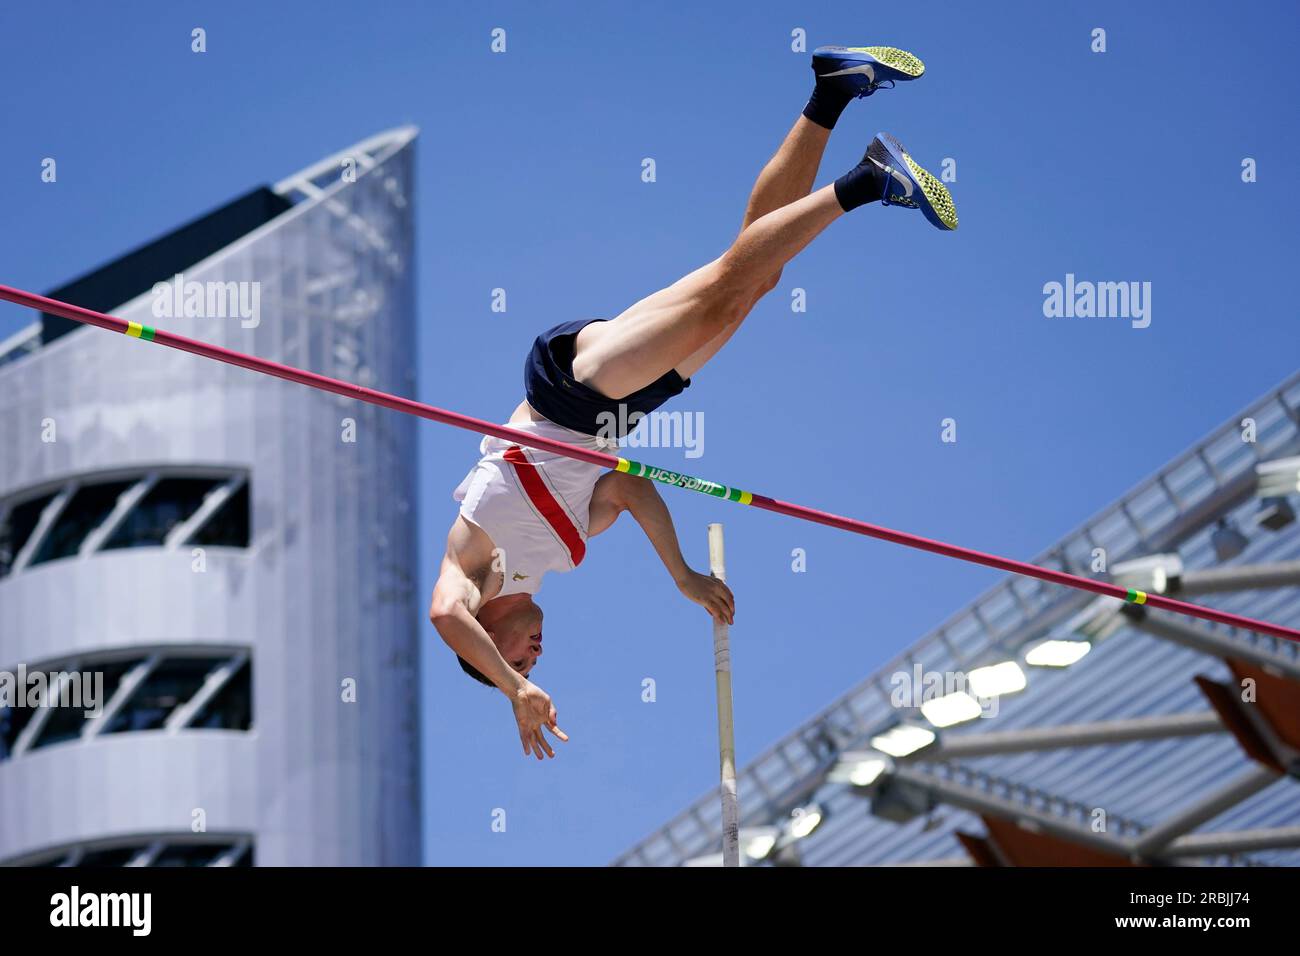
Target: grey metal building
(234, 555)
(1064, 729)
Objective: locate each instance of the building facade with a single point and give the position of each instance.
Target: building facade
(231, 556)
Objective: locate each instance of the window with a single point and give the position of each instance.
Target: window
(12, 722)
(170, 684)
(66, 723)
(229, 526)
(211, 510)
(17, 527)
(231, 708)
(165, 688)
(212, 690)
(189, 854)
(165, 850)
(168, 503)
(117, 856)
(82, 515)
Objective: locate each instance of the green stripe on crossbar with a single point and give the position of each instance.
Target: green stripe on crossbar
(678, 480)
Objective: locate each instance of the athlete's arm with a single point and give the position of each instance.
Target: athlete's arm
(615, 493)
(450, 611)
(456, 599)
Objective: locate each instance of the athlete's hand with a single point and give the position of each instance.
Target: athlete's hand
(533, 711)
(710, 594)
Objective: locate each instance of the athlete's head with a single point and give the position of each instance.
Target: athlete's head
(515, 625)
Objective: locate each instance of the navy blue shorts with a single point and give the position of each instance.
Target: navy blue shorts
(550, 387)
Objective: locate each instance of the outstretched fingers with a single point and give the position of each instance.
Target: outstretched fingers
(535, 742)
(551, 726)
(541, 745)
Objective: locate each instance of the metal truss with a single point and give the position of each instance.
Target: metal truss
(1173, 510)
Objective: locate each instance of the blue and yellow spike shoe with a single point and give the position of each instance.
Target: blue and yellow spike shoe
(907, 184)
(861, 70)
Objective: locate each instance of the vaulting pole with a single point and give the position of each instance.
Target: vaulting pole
(663, 476)
(726, 725)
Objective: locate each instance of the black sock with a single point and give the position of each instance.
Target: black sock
(826, 104)
(862, 184)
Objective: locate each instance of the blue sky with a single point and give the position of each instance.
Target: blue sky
(1119, 166)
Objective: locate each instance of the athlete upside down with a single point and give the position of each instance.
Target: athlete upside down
(526, 512)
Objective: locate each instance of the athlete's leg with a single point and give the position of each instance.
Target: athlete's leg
(842, 74)
(660, 332)
(683, 326)
(788, 175)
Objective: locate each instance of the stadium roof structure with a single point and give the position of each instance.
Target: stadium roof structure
(1136, 737)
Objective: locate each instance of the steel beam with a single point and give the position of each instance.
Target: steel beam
(1154, 841)
(1226, 843)
(1212, 642)
(982, 802)
(1070, 735)
(1248, 577)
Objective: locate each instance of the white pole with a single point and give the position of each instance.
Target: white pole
(726, 727)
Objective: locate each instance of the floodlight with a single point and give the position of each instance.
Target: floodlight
(805, 820)
(861, 768)
(996, 680)
(903, 739)
(757, 842)
(1054, 653)
(1153, 574)
(951, 709)
(1277, 478)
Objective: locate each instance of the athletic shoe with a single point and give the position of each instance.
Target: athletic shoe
(861, 70)
(907, 184)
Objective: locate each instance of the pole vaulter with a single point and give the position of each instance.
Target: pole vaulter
(636, 469)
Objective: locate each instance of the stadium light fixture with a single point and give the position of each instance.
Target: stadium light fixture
(1274, 514)
(1154, 574)
(951, 709)
(756, 846)
(805, 820)
(1227, 541)
(1070, 642)
(996, 680)
(778, 846)
(902, 739)
(861, 768)
(1057, 653)
(757, 843)
(1275, 481)
(901, 800)
(866, 772)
